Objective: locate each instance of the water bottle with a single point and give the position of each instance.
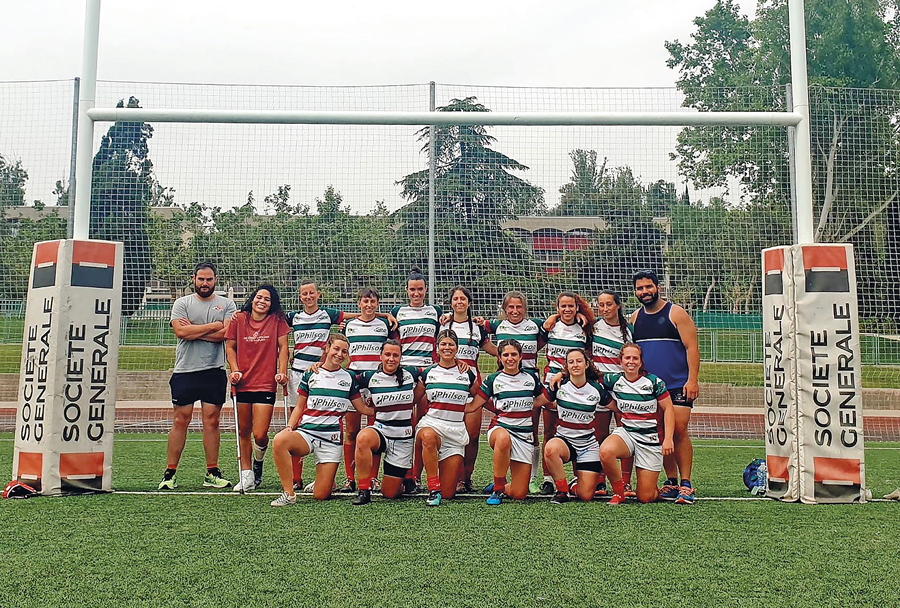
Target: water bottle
(762, 476)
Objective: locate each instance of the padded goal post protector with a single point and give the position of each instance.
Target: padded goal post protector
(829, 379)
(779, 376)
(65, 408)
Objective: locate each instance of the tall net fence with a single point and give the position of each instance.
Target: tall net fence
(536, 209)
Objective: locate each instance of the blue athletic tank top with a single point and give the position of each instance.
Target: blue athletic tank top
(664, 353)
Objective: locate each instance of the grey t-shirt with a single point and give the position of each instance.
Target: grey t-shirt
(197, 355)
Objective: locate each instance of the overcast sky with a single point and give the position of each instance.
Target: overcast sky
(525, 43)
(497, 42)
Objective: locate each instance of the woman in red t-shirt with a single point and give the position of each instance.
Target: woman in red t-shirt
(257, 350)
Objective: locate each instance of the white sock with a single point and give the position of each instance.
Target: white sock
(535, 461)
(259, 451)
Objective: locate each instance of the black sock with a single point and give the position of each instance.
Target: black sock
(671, 481)
(169, 474)
(213, 471)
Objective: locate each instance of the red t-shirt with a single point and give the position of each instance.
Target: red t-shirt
(257, 349)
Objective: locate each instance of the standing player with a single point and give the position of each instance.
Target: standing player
(579, 396)
(417, 324)
(257, 351)
(441, 432)
(472, 338)
(611, 332)
(366, 334)
(514, 324)
(199, 321)
(639, 396)
(512, 394)
(394, 391)
(315, 425)
(563, 333)
(668, 338)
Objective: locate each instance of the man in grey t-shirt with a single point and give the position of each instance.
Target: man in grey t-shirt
(199, 321)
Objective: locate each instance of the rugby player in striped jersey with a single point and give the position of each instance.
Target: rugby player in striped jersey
(576, 401)
(472, 338)
(366, 334)
(394, 391)
(441, 432)
(638, 396)
(611, 332)
(315, 424)
(512, 394)
(563, 331)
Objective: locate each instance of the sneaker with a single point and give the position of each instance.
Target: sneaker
(247, 482)
(363, 498)
(298, 486)
(460, 487)
(410, 486)
(559, 498)
(434, 498)
(495, 498)
(534, 487)
(601, 490)
(310, 487)
(214, 479)
(629, 492)
(488, 489)
(895, 495)
(616, 500)
(168, 483)
(376, 484)
(285, 500)
(468, 487)
(547, 488)
(349, 485)
(257, 472)
(668, 491)
(573, 487)
(685, 496)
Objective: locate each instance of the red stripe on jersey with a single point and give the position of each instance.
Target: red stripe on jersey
(365, 357)
(636, 416)
(319, 344)
(482, 394)
(300, 391)
(449, 407)
(575, 425)
(410, 339)
(309, 412)
(663, 396)
(521, 414)
(609, 360)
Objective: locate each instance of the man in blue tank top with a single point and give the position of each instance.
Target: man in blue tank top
(668, 340)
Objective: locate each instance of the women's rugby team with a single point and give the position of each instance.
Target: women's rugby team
(414, 374)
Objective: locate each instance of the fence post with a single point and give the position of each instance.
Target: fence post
(70, 225)
(431, 166)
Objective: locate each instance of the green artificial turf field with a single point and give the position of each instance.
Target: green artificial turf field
(224, 549)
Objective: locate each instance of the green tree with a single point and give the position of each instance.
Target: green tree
(734, 63)
(122, 188)
(12, 183)
(476, 188)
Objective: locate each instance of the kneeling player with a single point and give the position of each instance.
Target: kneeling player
(638, 396)
(394, 391)
(577, 400)
(315, 424)
(512, 394)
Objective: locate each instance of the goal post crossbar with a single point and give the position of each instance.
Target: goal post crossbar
(287, 117)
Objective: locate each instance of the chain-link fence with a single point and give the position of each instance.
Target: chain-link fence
(536, 209)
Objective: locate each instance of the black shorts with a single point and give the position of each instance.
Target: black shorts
(256, 397)
(206, 386)
(678, 398)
